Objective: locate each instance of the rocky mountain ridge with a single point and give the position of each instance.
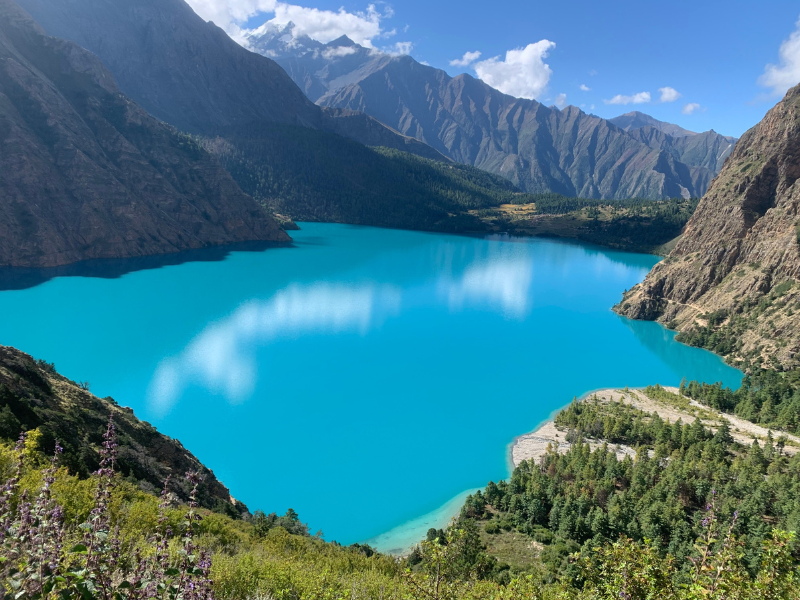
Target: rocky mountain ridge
(732, 284)
(636, 120)
(86, 173)
(540, 149)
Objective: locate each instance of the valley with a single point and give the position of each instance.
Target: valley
(346, 280)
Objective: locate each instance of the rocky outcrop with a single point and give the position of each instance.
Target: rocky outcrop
(85, 173)
(733, 281)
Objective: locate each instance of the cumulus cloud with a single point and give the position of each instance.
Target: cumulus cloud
(669, 94)
(466, 60)
(691, 108)
(230, 14)
(321, 25)
(786, 73)
(523, 73)
(640, 98)
(585, 88)
(561, 100)
(326, 25)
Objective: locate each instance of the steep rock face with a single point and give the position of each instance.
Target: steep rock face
(538, 148)
(86, 173)
(739, 257)
(38, 397)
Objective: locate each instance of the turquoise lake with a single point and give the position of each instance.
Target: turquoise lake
(364, 377)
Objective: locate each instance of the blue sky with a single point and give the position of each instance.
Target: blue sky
(712, 54)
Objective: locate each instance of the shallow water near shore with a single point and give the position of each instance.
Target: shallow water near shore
(364, 377)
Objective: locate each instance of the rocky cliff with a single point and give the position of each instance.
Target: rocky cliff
(86, 173)
(732, 283)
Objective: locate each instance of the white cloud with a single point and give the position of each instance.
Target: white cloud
(326, 25)
(338, 52)
(786, 74)
(523, 73)
(691, 108)
(230, 14)
(466, 60)
(584, 88)
(561, 100)
(400, 49)
(669, 94)
(640, 98)
(321, 25)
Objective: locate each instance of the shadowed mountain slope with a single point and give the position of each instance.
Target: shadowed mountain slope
(86, 173)
(190, 74)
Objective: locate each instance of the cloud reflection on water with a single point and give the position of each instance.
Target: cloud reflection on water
(222, 357)
(500, 283)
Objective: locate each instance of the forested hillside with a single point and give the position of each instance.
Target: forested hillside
(312, 176)
(686, 481)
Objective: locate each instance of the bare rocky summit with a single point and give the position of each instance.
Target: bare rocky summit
(732, 283)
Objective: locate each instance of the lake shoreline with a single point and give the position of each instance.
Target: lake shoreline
(535, 444)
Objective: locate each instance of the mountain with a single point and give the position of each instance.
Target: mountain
(708, 150)
(86, 173)
(190, 74)
(636, 120)
(315, 67)
(33, 395)
(538, 148)
(731, 283)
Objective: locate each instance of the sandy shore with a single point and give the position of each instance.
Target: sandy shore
(534, 445)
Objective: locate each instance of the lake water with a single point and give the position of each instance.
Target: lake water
(364, 377)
